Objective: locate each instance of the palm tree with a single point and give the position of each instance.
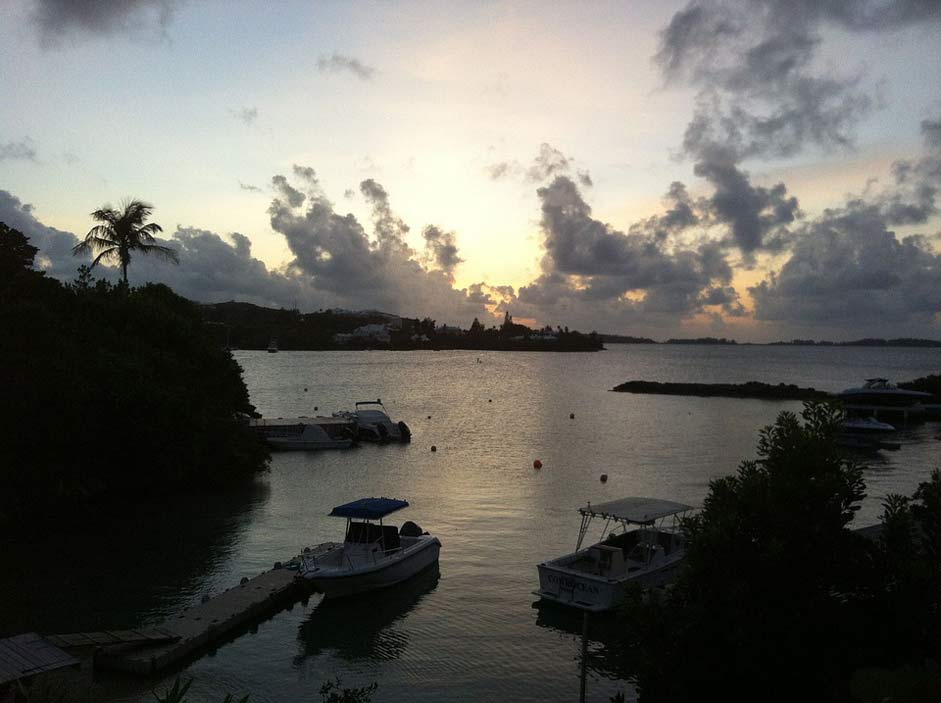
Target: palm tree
(121, 232)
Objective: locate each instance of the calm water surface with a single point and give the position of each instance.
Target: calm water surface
(468, 631)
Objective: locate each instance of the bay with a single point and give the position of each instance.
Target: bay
(469, 631)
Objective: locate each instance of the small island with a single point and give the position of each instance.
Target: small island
(751, 389)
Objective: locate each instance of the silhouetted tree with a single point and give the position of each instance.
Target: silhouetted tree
(122, 232)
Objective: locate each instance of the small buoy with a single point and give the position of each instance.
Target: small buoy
(604, 478)
(434, 448)
(243, 581)
(571, 416)
(316, 408)
(305, 389)
(429, 417)
(537, 464)
(489, 400)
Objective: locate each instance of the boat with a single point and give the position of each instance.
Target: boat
(273, 346)
(305, 433)
(373, 423)
(596, 578)
(372, 555)
(865, 426)
(882, 392)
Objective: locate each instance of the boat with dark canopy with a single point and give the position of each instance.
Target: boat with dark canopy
(373, 554)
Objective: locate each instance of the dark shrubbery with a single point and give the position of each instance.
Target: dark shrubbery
(778, 599)
(111, 394)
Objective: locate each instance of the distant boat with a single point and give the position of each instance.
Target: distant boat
(374, 425)
(596, 578)
(880, 391)
(372, 555)
(273, 346)
(866, 425)
(305, 433)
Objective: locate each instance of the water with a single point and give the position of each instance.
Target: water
(468, 631)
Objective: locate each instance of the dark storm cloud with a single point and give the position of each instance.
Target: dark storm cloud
(762, 93)
(294, 197)
(338, 63)
(334, 254)
(849, 268)
(57, 18)
(55, 246)
(24, 149)
(755, 60)
(757, 217)
(637, 275)
(441, 249)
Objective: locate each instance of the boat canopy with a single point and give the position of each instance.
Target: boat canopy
(641, 511)
(369, 508)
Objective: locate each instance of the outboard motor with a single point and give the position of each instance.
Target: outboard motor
(410, 529)
(406, 433)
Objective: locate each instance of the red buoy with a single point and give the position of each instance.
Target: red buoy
(537, 464)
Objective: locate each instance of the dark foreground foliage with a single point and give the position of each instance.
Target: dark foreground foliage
(778, 599)
(110, 395)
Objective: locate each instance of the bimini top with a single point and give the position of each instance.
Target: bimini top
(635, 509)
(369, 508)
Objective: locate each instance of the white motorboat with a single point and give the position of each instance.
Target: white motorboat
(866, 426)
(373, 423)
(372, 555)
(305, 433)
(882, 392)
(596, 578)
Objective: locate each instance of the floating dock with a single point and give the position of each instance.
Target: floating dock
(211, 622)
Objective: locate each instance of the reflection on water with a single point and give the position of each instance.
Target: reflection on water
(124, 571)
(363, 628)
(606, 652)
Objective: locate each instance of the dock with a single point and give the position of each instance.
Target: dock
(27, 656)
(209, 623)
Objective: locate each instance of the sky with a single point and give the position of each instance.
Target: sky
(759, 169)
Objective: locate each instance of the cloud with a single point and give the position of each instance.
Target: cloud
(24, 149)
(548, 163)
(763, 90)
(246, 115)
(594, 273)
(441, 249)
(757, 217)
(55, 246)
(55, 19)
(249, 187)
(848, 269)
(338, 63)
(764, 93)
(335, 255)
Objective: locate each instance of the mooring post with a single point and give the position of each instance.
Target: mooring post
(581, 694)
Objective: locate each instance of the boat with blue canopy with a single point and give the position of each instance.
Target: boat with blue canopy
(373, 554)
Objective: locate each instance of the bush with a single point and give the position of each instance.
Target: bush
(113, 394)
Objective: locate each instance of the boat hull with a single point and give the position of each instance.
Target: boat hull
(559, 585)
(337, 583)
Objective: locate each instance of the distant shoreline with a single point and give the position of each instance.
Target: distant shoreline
(904, 342)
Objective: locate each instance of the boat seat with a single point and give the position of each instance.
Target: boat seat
(390, 537)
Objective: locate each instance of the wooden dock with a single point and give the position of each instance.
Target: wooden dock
(209, 623)
(28, 655)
